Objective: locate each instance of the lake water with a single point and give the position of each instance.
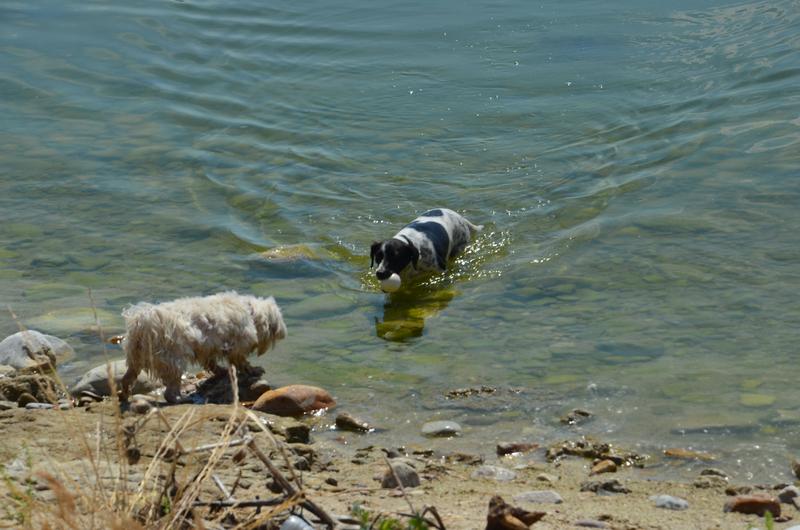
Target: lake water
(635, 163)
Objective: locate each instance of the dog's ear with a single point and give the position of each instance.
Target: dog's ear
(414, 255)
(372, 251)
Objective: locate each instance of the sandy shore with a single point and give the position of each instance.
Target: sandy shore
(112, 463)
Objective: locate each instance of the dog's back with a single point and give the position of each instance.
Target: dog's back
(440, 234)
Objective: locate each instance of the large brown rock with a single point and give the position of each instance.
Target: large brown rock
(294, 400)
(754, 504)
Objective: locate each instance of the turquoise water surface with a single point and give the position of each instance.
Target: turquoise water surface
(635, 163)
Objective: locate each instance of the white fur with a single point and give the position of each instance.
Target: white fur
(165, 338)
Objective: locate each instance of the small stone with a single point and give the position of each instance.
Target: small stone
(407, 475)
(539, 497)
(297, 433)
(738, 490)
(7, 405)
(444, 429)
(668, 502)
(294, 400)
(503, 516)
(140, 406)
(687, 454)
(497, 473)
(754, 504)
(788, 494)
(576, 416)
(330, 481)
(710, 482)
(713, 472)
(590, 523)
(604, 486)
(463, 458)
(508, 448)
(546, 477)
(25, 398)
(301, 463)
(346, 422)
(603, 466)
(38, 406)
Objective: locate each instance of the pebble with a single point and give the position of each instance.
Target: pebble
(668, 502)
(788, 494)
(687, 454)
(604, 486)
(508, 448)
(443, 428)
(25, 398)
(539, 497)
(603, 466)
(590, 523)
(294, 522)
(753, 504)
(38, 406)
(297, 433)
(576, 416)
(546, 477)
(408, 476)
(713, 472)
(497, 473)
(140, 406)
(294, 400)
(346, 422)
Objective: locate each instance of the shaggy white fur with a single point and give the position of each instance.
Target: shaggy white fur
(164, 338)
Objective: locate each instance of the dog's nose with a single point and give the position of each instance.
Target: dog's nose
(382, 275)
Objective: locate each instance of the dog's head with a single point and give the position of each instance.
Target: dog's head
(392, 256)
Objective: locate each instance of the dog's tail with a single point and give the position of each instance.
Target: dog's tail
(474, 229)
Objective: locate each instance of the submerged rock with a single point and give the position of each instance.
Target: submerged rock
(588, 448)
(441, 428)
(31, 350)
(576, 416)
(687, 454)
(509, 448)
(97, 382)
(346, 422)
(294, 400)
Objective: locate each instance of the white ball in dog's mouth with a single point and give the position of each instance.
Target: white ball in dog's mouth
(391, 284)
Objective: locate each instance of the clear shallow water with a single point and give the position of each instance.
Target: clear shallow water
(635, 165)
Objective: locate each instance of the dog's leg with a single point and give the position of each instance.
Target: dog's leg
(173, 392)
(127, 382)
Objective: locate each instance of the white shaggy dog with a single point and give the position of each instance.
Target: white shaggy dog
(164, 338)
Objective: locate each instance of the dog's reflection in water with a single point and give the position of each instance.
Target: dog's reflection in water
(404, 313)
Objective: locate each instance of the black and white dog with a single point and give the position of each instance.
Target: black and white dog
(426, 244)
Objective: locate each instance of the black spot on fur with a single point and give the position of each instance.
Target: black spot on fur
(433, 213)
(437, 234)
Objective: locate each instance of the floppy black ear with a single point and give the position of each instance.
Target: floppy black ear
(414, 255)
(372, 251)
